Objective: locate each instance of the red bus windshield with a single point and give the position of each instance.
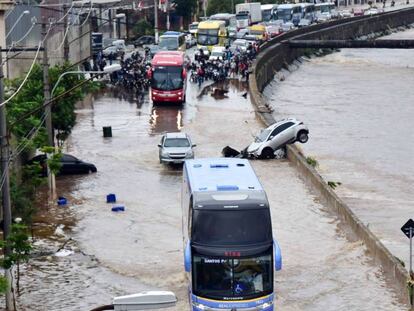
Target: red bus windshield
(167, 78)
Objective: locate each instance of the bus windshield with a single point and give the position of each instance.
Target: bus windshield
(266, 15)
(231, 227)
(167, 78)
(285, 14)
(168, 43)
(207, 36)
(242, 16)
(324, 9)
(219, 278)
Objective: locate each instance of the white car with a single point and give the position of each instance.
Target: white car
(175, 148)
(239, 44)
(276, 136)
(217, 53)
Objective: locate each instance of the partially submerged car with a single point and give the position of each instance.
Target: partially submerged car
(69, 165)
(175, 148)
(276, 136)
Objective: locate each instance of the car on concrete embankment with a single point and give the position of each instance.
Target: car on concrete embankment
(276, 136)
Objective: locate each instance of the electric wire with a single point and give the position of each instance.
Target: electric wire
(64, 38)
(66, 14)
(24, 80)
(87, 17)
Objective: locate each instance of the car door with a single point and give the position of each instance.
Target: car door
(69, 165)
(284, 135)
(279, 135)
(162, 146)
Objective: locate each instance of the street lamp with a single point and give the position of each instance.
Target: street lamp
(143, 301)
(107, 70)
(18, 19)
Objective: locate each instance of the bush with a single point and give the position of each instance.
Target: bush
(142, 28)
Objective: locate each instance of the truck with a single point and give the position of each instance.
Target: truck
(248, 14)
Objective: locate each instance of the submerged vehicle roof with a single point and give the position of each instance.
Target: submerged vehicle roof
(221, 174)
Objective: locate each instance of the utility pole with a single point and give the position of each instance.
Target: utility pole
(167, 9)
(156, 20)
(5, 190)
(66, 41)
(48, 109)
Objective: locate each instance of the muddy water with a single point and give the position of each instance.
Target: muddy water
(359, 107)
(141, 248)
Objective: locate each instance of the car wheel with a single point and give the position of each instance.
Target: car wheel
(267, 153)
(303, 137)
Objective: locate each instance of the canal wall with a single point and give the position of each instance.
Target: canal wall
(276, 55)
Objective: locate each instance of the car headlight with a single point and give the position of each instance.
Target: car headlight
(164, 153)
(253, 149)
(189, 153)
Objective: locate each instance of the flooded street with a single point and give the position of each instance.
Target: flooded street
(141, 248)
(358, 105)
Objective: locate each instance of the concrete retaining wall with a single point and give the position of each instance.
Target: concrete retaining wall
(277, 55)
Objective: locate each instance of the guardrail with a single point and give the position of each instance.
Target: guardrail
(275, 55)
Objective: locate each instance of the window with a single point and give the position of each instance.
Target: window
(219, 278)
(68, 158)
(281, 128)
(167, 78)
(231, 227)
(176, 142)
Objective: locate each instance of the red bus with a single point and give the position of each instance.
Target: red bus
(168, 77)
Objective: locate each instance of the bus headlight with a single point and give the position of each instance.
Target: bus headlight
(200, 306)
(266, 305)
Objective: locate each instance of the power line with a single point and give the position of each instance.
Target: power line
(24, 80)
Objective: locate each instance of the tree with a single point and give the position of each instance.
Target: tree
(20, 247)
(221, 6)
(185, 8)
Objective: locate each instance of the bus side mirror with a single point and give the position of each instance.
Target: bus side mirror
(277, 255)
(184, 74)
(187, 257)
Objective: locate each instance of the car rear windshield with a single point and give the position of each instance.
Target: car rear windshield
(231, 227)
(176, 142)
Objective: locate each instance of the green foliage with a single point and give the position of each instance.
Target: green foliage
(3, 285)
(31, 98)
(19, 245)
(312, 161)
(185, 8)
(53, 158)
(142, 28)
(220, 6)
(334, 184)
(21, 197)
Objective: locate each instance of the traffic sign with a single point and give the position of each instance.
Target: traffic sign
(408, 226)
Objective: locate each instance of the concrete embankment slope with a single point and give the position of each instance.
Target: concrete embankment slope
(277, 55)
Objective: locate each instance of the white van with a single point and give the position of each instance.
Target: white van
(119, 44)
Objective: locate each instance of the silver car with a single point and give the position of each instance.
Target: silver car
(276, 136)
(175, 148)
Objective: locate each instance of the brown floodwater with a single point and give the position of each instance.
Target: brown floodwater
(112, 254)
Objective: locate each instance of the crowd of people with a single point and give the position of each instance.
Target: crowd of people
(233, 64)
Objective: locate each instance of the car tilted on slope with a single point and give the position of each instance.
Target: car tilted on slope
(276, 136)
